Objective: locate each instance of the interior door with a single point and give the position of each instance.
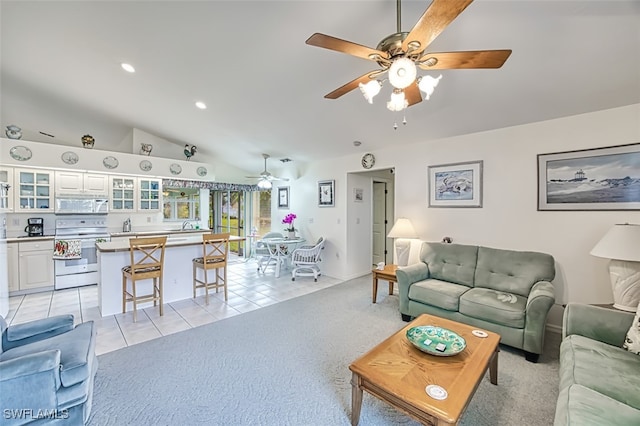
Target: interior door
(379, 221)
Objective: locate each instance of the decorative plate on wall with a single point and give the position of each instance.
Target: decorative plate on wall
(202, 171)
(20, 153)
(145, 165)
(110, 162)
(70, 157)
(175, 169)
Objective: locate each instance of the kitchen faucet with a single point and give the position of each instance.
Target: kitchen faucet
(185, 224)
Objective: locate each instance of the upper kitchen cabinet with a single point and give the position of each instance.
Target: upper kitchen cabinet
(81, 183)
(34, 190)
(122, 193)
(6, 189)
(149, 194)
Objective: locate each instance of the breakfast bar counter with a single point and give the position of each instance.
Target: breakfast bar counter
(177, 276)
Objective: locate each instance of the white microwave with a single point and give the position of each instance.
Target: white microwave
(81, 205)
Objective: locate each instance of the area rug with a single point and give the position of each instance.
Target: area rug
(287, 364)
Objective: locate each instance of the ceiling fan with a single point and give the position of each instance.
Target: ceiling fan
(265, 178)
(400, 53)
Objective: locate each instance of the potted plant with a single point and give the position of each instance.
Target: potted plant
(288, 220)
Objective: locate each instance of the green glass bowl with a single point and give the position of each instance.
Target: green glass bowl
(428, 337)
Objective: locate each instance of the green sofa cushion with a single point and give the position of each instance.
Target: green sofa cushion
(578, 405)
(455, 263)
(593, 364)
(512, 271)
(438, 293)
(494, 306)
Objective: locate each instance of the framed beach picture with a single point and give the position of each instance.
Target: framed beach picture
(283, 197)
(326, 193)
(455, 185)
(590, 179)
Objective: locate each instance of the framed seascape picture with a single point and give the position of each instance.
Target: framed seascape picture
(358, 195)
(326, 193)
(455, 185)
(283, 197)
(590, 179)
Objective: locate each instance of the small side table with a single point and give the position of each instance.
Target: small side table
(387, 274)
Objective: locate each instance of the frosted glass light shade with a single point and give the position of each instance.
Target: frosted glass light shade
(402, 73)
(370, 89)
(427, 84)
(264, 184)
(397, 101)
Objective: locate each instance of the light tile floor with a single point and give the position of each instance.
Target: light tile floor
(248, 290)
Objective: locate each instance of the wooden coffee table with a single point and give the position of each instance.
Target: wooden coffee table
(397, 372)
(389, 274)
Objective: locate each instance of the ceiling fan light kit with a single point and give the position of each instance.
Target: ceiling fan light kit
(265, 179)
(400, 55)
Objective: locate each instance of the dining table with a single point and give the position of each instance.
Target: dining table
(280, 250)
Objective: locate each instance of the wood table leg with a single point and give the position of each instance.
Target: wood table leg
(356, 399)
(493, 367)
(375, 287)
(390, 288)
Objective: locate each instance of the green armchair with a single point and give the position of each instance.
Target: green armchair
(47, 369)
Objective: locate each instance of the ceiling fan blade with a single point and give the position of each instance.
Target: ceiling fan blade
(351, 85)
(461, 60)
(412, 94)
(277, 178)
(435, 19)
(343, 46)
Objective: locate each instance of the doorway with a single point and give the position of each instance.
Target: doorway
(379, 222)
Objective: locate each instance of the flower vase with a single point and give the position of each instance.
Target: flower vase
(292, 234)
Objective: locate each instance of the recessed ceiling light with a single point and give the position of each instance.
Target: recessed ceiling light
(201, 105)
(127, 67)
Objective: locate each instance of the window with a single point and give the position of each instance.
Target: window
(181, 204)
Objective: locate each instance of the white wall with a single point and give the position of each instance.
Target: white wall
(508, 219)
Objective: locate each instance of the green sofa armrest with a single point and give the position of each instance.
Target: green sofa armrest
(605, 325)
(406, 276)
(33, 331)
(539, 302)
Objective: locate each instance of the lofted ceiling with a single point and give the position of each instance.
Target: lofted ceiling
(264, 87)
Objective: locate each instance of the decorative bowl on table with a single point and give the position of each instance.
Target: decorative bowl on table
(436, 340)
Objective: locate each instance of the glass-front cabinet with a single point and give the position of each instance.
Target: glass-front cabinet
(34, 190)
(6, 189)
(149, 192)
(122, 193)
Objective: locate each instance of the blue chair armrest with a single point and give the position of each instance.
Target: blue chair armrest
(33, 331)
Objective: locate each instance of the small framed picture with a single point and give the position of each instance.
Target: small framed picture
(283, 197)
(358, 195)
(326, 193)
(455, 185)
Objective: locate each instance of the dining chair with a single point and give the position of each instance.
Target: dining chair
(215, 253)
(306, 259)
(147, 261)
(263, 254)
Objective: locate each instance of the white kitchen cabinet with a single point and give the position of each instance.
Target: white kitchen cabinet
(149, 194)
(81, 183)
(33, 190)
(12, 267)
(122, 193)
(6, 192)
(30, 265)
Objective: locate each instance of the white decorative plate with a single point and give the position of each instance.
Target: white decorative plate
(145, 165)
(436, 392)
(70, 157)
(20, 153)
(110, 162)
(202, 171)
(175, 169)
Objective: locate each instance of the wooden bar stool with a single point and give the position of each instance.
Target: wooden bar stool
(147, 260)
(215, 251)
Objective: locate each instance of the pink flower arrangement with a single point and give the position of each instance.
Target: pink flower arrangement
(288, 220)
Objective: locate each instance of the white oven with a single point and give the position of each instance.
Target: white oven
(75, 254)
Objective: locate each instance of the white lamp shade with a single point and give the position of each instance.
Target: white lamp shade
(402, 229)
(622, 242)
(370, 89)
(397, 101)
(402, 73)
(264, 184)
(427, 84)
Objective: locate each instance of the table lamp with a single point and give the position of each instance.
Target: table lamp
(402, 230)
(622, 245)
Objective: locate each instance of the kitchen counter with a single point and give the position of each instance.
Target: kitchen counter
(159, 232)
(173, 240)
(26, 238)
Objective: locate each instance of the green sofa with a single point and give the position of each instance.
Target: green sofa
(504, 291)
(599, 380)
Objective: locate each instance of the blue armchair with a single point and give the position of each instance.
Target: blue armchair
(47, 369)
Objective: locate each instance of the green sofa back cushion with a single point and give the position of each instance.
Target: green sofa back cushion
(454, 263)
(512, 271)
